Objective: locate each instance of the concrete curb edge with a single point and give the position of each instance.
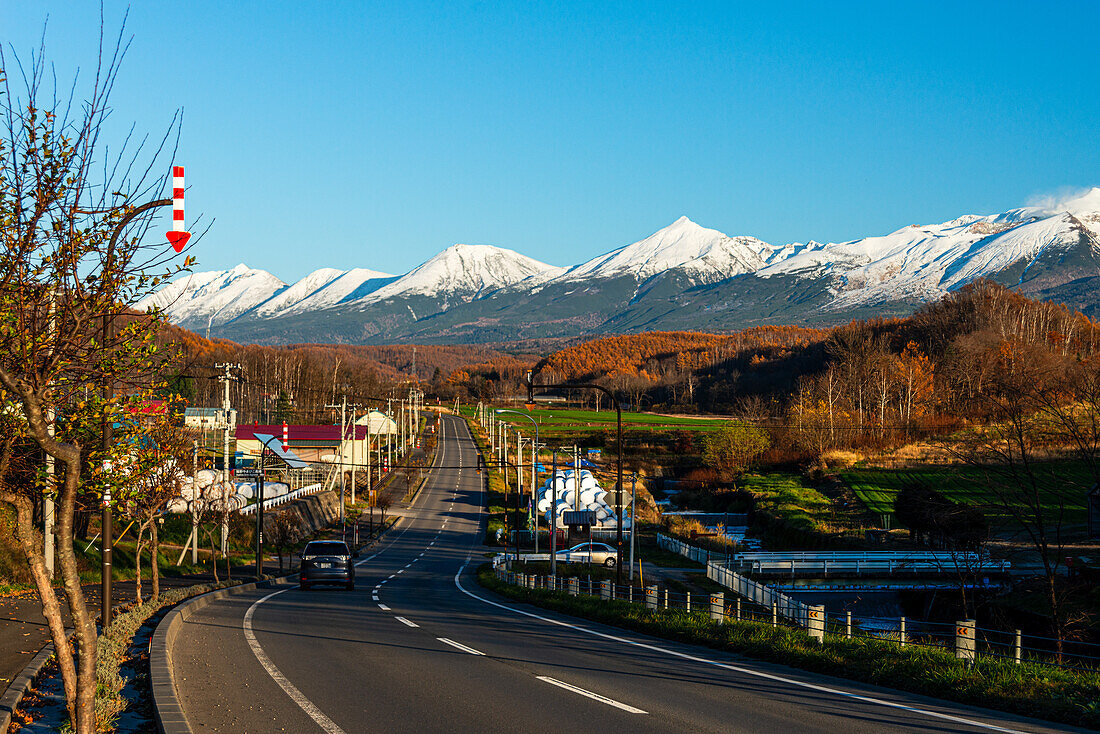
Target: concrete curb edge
(166, 706)
(12, 697)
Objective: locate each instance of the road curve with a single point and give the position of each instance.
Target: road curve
(420, 647)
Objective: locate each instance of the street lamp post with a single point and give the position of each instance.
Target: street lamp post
(534, 460)
(108, 394)
(531, 387)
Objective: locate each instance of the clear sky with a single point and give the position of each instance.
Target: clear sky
(362, 134)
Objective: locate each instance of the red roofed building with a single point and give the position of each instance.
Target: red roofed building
(310, 443)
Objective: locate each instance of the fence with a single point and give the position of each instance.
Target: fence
(867, 562)
(757, 602)
(283, 499)
(759, 594)
(691, 552)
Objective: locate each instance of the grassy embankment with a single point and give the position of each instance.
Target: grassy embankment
(1027, 689)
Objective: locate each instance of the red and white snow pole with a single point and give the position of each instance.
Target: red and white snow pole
(178, 236)
(286, 437)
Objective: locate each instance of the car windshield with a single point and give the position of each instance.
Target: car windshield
(325, 548)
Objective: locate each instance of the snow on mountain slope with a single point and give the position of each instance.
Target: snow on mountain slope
(301, 290)
(462, 273)
(322, 289)
(707, 255)
(923, 262)
(214, 298)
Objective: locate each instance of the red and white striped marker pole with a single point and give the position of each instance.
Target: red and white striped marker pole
(286, 437)
(178, 237)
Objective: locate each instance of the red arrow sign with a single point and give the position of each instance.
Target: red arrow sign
(177, 236)
(178, 240)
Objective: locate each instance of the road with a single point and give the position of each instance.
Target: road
(420, 647)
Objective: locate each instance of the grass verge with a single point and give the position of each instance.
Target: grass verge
(1030, 690)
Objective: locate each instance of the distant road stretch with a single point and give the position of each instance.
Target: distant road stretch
(420, 647)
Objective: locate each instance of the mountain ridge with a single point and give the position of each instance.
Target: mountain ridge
(682, 276)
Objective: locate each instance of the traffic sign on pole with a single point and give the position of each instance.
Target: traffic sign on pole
(178, 237)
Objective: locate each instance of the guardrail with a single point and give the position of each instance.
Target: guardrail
(966, 640)
(282, 499)
(691, 552)
(764, 596)
(867, 562)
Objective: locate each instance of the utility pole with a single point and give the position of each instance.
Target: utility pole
(554, 516)
(194, 502)
(343, 406)
(229, 423)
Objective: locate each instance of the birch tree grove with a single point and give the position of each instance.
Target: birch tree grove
(68, 273)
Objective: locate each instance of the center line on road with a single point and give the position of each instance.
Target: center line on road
(459, 646)
(401, 570)
(406, 622)
(374, 597)
(590, 694)
(383, 607)
(390, 576)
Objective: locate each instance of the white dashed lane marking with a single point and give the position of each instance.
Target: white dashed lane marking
(406, 622)
(459, 646)
(383, 607)
(589, 694)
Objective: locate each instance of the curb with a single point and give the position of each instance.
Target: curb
(18, 688)
(166, 707)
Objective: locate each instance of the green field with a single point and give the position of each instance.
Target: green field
(1065, 480)
(786, 495)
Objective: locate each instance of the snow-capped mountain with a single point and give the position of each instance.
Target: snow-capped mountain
(324, 288)
(684, 276)
(924, 262)
(705, 255)
(462, 273)
(204, 300)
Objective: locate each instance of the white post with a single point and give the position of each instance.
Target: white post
(718, 606)
(901, 631)
(815, 623)
(1019, 648)
(966, 647)
(848, 624)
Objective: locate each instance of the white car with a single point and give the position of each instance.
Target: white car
(589, 553)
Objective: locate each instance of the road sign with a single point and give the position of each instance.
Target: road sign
(178, 237)
(248, 472)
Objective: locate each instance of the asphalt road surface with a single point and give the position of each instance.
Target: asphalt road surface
(420, 647)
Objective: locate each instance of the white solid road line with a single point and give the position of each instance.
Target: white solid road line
(296, 696)
(406, 622)
(738, 668)
(590, 694)
(460, 646)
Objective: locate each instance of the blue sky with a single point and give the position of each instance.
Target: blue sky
(355, 134)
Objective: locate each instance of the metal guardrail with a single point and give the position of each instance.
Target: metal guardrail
(691, 552)
(282, 499)
(760, 594)
(963, 638)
